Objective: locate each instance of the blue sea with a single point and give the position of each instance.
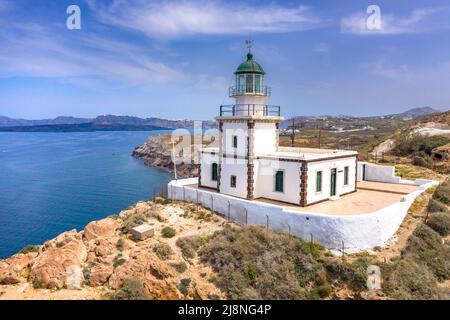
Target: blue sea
(53, 182)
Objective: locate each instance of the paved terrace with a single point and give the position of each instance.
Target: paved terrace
(370, 197)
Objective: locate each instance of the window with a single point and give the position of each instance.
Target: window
(249, 83)
(233, 181)
(279, 181)
(214, 172)
(234, 142)
(319, 181)
(345, 176)
(258, 86)
(240, 88)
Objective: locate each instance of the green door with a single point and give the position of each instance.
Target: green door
(333, 182)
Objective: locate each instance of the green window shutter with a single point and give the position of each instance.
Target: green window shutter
(235, 141)
(346, 176)
(279, 177)
(319, 181)
(214, 172)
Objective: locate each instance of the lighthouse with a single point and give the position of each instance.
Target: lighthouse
(248, 162)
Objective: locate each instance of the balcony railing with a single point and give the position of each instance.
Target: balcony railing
(242, 90)
(249, 110)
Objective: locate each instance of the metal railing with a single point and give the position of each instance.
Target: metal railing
(249, 110)
(242, 90)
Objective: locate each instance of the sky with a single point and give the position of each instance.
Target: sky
(175, 59)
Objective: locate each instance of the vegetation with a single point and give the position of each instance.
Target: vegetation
(190, 245)
(132, 289)
(440, 222)
(37, 284)
(436, 206)
(118, 260)
(184, 285)
(442, 194)
(180, 267)
(163, 251)
(416, 144)
(131, 221)
(120, 245)
(168, 232)
(256, 263)
(29, 248)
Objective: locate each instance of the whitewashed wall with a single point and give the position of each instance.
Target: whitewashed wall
(354, 232)
(326, 166)
(265, 138)
(238, 129)
(206, 169)
(265, 180)
(379, 173)
(237, 167)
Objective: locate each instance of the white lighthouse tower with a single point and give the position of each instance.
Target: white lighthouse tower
(248, 128)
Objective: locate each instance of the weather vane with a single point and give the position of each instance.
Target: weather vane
(249, 44)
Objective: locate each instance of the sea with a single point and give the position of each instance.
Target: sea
(54, 182)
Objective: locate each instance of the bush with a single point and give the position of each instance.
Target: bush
(180, 267)
(168, 232)
(118, 261)
(60, 244)
(120, 245)
(131, 221)
(440, 222)
(442, 194)
(37, 284)
(407, 144)
(29, 248)
(353, 274)
(256, 263)
(425, 245)
(190, 245)
(163, 251)
(132, 289)
(436, 206)
(184, 285)
(420, 161)
(411, 279)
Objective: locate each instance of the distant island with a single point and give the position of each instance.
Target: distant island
(131, 123)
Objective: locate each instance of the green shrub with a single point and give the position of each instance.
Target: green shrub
(425, 245)
(60, 244)
(37, 284)
(410, 279)
(168, 232)
(354, 274)
(440, 222)
(190, 245)
(442, 194)
(29, 248)
(436, 206)
(407, 144)
(420, 161)
(118, 260)
(132, 289)
(180, 267)
(184, 285)
(256, 263)
(120, 245)
(131, 221)
(163, 251)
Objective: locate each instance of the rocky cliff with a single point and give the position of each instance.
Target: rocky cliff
(157, 152)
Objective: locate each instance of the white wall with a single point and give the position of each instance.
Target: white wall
(265, 180)
(265, 140)
(380, 173)
(239, 129)
(326, 166)
(357, 232)
(239, 169)
(207, 160)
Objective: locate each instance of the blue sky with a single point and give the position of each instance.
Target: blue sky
(175, 59)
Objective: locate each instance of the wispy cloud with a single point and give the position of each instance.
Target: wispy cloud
(322, 48)
(176, 19)
(419, 20)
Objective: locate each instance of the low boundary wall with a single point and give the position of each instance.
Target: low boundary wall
(352, 233)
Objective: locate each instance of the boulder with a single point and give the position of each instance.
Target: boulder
(59, 263)
(142, 207)
(100, 274)
(105, 228)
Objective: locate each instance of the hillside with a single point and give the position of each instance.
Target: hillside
(197, 254)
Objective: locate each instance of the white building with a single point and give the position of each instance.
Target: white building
(249, 164)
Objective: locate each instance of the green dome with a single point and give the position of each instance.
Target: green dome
(249, 66)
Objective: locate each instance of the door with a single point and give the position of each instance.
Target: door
(333, 182)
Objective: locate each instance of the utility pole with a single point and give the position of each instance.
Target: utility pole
(293, 133)
(174, 160)
(320, 136)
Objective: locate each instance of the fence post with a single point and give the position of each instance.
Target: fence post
(311, 243)
(212, 204)
(289, 226)
(267, 223)
(246, 216)
(343, 252)
(184, 194)
(197, 199)
(229, 209)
